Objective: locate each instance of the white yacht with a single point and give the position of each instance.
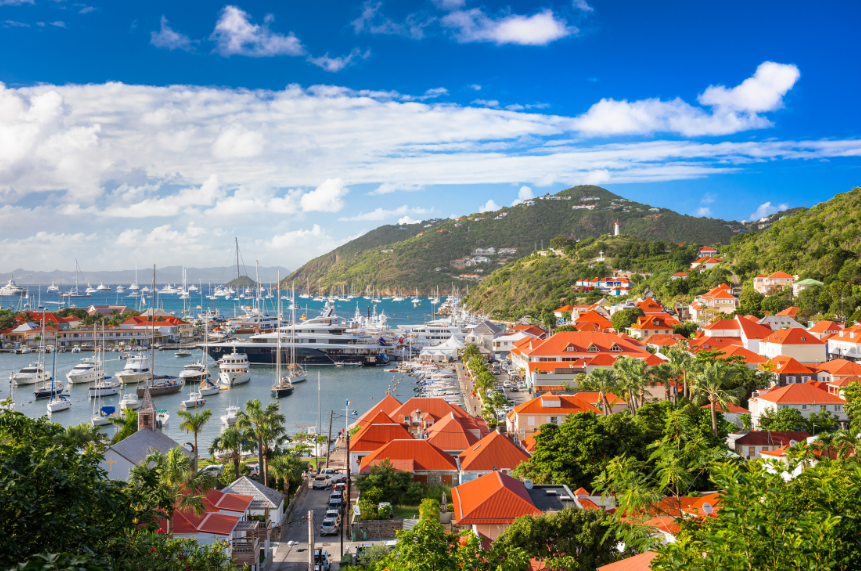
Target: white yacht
(208, 388)
(30, 375)
(103, 416)
(192, 287)
(89, 370)
(90, 289)
(168, 289)
(194, 373)
(137, 370)
(130, 401)
(59, 402)
(104, 388)
(52, 288)
(120, 289)
(12, 288)
(234, 369)
(194, 400)
(230, 418)
(103, 287)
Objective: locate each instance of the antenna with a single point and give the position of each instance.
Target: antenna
(792, 443)
(528, 484)
(707, 508)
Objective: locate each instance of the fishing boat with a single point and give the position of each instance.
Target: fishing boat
(194, 400)
(282, 387)
(229, 419)
(130, 401)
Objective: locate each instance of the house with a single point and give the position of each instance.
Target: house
(641, 562)
(454, 434)
(507, 251)
(617, 404)
(481, 260)
(775, 322)
(652, 325)
(483, 335)
(570, 346)
(772, 283)
(49, 318)
(845, 344)
(121, 457)
(267, 503)
(730, 414)
(749, 332)
(788, 371)
(374, 436)
(825, 328)
(746, 356)
(107, 310)
(489, 504)
(706, 263)
(803, 397)
(165, 325)
(601, 323)
(650, 306)
(802, 285)
(31, 334)
(460, 263)
(660, 341)
(502, 345)
(790, 311)
(706, 251)
(751, 444)
(679, 276)
(485, 251)
(387, 406)
(836, 370)
(494, 452)
(716, 300)
(528, 417)
(427, 463)
(796, 343)
(564, 309)
(419, 414)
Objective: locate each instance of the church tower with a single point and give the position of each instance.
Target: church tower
(146, 413)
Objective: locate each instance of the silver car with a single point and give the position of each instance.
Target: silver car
(329, 526)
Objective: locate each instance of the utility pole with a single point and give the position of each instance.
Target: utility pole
(310, 540)
(347, 458)
(329, 441)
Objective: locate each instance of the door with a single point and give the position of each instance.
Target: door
(446, 479)
(422, 478)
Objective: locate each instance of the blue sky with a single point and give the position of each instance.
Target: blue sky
(156, 131)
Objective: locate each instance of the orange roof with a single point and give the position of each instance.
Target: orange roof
(594, 397)
(141, 320)
(747, 355)
(784, 365)
(840, 367)
(379, 417)
(451, 434)
(568, 405)
(652, 322)
(373, 436)
(581, 491)
(529, 441)
(723, 324)
(494, 451)
(732, 408)
(641, 562)
(780, 275)
(653, 360)
(388, 405)
(663, 339)
(565, 308)
(753, 330)
(710, 343)
(594, 317)
(792, 336)
(649, 305)
(801, 393)
(568, 342)
(492, 498)
(679, 274)
(435, 407)
(825, 326)
(410, 455)
(844, 382)
(789, 311)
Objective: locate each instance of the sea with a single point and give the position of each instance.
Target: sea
(342, 393)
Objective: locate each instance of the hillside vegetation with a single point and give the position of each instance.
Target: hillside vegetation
(415, 257)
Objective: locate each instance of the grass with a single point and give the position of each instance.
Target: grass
(405, 512)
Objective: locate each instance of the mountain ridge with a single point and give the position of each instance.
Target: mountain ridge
(173, 274)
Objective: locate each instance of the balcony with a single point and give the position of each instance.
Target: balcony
(246, 551)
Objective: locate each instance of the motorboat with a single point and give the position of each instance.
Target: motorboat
(120, 289)
(234, 369)
(52, 288)
(162, 417)
(11, 288)
(89, 370)
(76, 349)
(58, 403)
(348, 364)
(162, 386)
(130, 401)
(91, 290)
(194, 400)
(194, 373)
(102, 287)
(192, 287)
(137, 370)
(104, 415)
(30, 375)
(104, 388)
(229, 419)
(182, 353)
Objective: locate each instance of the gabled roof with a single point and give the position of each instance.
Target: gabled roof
(451, 434)
(264, 496)
(784, 365)
(649, 305)
(134, 448)
(594, 397)
(410, 456)
(594, 317)
(747, 355)
(529, 441)
(229, 502)
(840, 367)
(801, 393)
(494, 451)
(388, 405)
(753, 330)
(792, 337)
(435, 407)
(379, 417)
(789, 311)
(641, 562)
(373, 436)
(492, 498)
(780, 275)
(732, 408)
(652, 322)
(580, 341)
(723, 324)
(564, 308)
(663, 339)
(825, 326)
(709, 343)
(568, 405)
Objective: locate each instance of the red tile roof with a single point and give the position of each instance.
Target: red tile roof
(379, 417)
(772, 438)
(435, 407)
(594, 397)
(789, 312)
(388, 405)
(825, 326)
(568, 342)
(753, 330)
(451, 434)
(711, 343)
(723, 325)
(569, 405)
(373, 436)
(492, 451)
(594, 317)
(801, 393)
(780, 275)
(840, 367)
(218, 524)
(663, 339)
(792, 336)
(732, 408)
(229, 502)
(784, 365)
(641, 562)
(492, 498)
(653, 322)
(417, 455)
(747, 355)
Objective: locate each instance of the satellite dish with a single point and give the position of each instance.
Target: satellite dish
(792, 442)
(707, 508)
(528, 484)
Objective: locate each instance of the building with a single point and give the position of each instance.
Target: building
(796, 343)
(617, 403)
(717, 300)
(788, 371)
(427, 463)
(108, 310)
(652, 325)
(454, 434)
(825, 328)
(494, 452)
(616, 228)
(489, 504)
(706, 263)
(267, 503)
(804, 397)
(166, 325)
(772, 283)
(802, 285)
(845, 344)
(460, 263)
(583, 207)
(775, 322)
(706, 252)
(836, 370)
(528, 417)
(571, 346)
(31, 334)
(751, 444)
(679, 276)
(377, 433)
(730, 414)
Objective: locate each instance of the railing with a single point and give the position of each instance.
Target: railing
(246, 550)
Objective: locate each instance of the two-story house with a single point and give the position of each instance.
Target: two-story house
(796, 343)
(527, 418)
(804, 397)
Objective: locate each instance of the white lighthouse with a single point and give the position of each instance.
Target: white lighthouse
(616, 230)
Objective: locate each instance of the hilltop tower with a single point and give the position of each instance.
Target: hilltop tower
(616, 229)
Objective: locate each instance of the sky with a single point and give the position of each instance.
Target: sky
(156, 132)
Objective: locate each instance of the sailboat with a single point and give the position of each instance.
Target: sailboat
(158, 386)
(58, 401)
(295, 371)
(282, 387)
(102, 416)
(134, 286)
(76, 292)
(104, 386)
(207, 385)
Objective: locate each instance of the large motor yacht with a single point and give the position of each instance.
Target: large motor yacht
(137, 370)
(12, 288)
(103, 287)
(233, 369)
(194, 373)
(87, 371)
(53, 287)
(31, 374)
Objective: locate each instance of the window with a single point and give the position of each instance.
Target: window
(531, 421)
(554, 420)
(822, 408)
(592, 349)
(804, 407)
(569, 348)
(615, 348)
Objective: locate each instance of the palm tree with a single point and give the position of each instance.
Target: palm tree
(680, 361)
(288, 467)
(194, 422)
(712, 384)
(84, 436)
(257, 421)
(664, 375)
(632, 378)
(604, 381)
(127, 424)
(233, 441)
(177, 485)
(274, 434)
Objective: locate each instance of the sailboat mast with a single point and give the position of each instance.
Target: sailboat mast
(237, 257)
(152, 330)
(278, 356)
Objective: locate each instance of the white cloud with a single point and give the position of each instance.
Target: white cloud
(373, 21)
(707, 198)
(58, 24)
(383, 214)
(169, 39)
(339, 63)
(408, 220)
(583, 6)
(326, 197)
(85, 9)
(537, 30)
(475, 86)
(449, 4)
(704, 211)
(172, 205)
(767, 209)
(388, 188)
(524, 194)
(14, 24)
(486, 102)
(489, 206)
(733, 110)
(237, 143)
(234, 34)
(597, 177)
(15, 2)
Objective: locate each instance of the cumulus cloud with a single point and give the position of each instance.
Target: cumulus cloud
(486, 102)
(449, 4)
(383, 214)
(169, 39)
(407, 220)
(597, 177)
(15, 2)
(704, 211)
(524, 194)
(767, 209)
(373, 21)
(325, 198)
(58, 24)
(339, 63)
(14, 24)
(707, 198)
(237, 143)
(539, 29)
(733, 110)
(388, 188)
(234, 34)
(475, 87)
(489, 206)
(583, 6)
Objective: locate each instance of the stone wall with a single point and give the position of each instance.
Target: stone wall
(378, 529)
(436, 477)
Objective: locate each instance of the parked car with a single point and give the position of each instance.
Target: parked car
(330, 526)
(506, 384)
(336, 495)
(321, 559)
(340, 487)
(213, 470)
(335, 505)
(333, 514)
(320, 483)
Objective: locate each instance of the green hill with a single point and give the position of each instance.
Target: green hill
(420, 253)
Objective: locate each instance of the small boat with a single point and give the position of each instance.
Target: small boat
(59, 402)
(208, 387)
(182, 354)
(162, 417)
(130, 401)
(283, 388)
(48, 391)
(31, 375)
(104, 415)
(105, 388)
(194, 373)
(76, 349)
(230, 418)
(195, 400)
(348, 364)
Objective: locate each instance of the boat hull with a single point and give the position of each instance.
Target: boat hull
(160, 389)
(304, 356)
(103, 391)
(281, 392)
(133, 378)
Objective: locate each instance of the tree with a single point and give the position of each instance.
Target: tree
(852, 394)
(604, 381)
(126, 423)
(194, 422)
(625, 318)
(680, 361)
(85, 437)
(713, 384)
(572, 539)
(663, 374)
(685, 329)
(289, 468)
(397, 487)
(631, 374)
(178, 486)
(234, 442)
(786, 419)
(493, 404)
(263, 423)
